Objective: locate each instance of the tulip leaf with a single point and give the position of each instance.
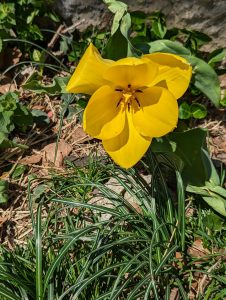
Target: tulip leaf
(191, 147)
(188, 149)
(214, 197)
(205, 79)
(117, 46)
(216, 56)
(168, 46)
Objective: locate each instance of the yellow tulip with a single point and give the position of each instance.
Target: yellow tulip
(133, 100)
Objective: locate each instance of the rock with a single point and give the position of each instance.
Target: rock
(207, 16)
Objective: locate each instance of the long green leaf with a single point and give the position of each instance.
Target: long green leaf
(7, 294)
(38, 240)
(206, 79)
(61, 255)
(181, 208)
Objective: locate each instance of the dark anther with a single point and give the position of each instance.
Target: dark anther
(118, 90)
(138, 91)
(129, 86)
(138, 103)
(119, 102)
(128, 107)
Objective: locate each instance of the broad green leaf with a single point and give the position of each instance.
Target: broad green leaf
(184, 111)
(117, 46)
(22, 117)
(40, 117)
(18, 171)
(216, 56)
(37, 55)
(158, 25)
(6, 143)
(139, 23)
(8, 102)
(119, 9)
(163, 144)
(125, 24)
(205, 79)
(32, 15)
(56, 88)
(223, 101)
(187, 152)
(141, 43)
(168, 46)
(6, 125)
(213, 175)
(190, 146)
(198, 111)
(3, 191)
(213, 194)
(217, 203)
(213, 222)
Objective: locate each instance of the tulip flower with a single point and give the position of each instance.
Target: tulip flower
(132, 100)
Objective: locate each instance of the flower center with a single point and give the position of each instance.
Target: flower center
(128, 97)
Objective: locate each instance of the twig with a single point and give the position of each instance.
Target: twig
(62, 30)
(55, 37)
(202, 282)
(73, 26)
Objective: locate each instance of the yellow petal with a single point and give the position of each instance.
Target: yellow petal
(158, 112)
(174, 72)
(127, 148)
(103, 118)
(87, 77)
(131, 71)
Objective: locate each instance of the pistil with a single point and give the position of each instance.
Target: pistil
(128, 96)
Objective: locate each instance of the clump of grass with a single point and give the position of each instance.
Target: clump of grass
(83, 250)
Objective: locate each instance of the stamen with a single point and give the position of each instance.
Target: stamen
(138, 91)
(118, 90)
(129, 86)
(128, 106)
(119, 102)
(138, 103)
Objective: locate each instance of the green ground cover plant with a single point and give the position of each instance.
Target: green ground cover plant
(154, 238)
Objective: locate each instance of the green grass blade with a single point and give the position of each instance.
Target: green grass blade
(182, 291)
(165, 258)
(61, 255)
(7, 294)
(181, 208)
(140, 284)
(87, 205)
(39, 47)
(38, 240)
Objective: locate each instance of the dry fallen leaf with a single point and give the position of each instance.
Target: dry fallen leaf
(2, 220)
(79, 134)
(32, 159)
(197, 250)
(63, 150)
(174, 294)
(6, 85)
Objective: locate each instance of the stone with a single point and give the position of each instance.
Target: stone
(207, 16)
